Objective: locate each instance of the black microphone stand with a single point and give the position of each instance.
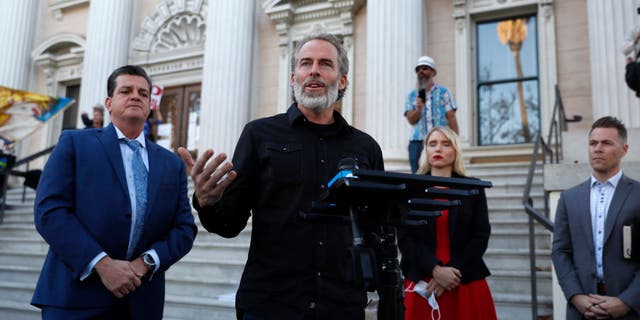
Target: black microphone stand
(375, 203)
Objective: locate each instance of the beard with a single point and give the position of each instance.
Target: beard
(316, 103)
(423, 81)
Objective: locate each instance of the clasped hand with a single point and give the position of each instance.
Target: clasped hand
(595, 306)
(121, 277)
(444, 279)
(209, 179)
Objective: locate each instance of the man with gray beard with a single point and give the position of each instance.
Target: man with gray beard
(429, 105)
(296, 269)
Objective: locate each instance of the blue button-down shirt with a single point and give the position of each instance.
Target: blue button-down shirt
(438, 103)
(600, 197)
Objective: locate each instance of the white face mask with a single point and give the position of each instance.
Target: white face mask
(420, 288)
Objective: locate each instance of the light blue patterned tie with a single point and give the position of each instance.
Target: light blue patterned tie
(140, 183)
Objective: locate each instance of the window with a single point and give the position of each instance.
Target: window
(508, 84)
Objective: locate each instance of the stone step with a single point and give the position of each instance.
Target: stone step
(22, 258)
(20, 292)
(516, 259)
(19, 230)
(515, 186)
(219, 250)
(513, 212)
(21, 273)
(519, 282)
(518, 306)
(200, 287)
(18, 311)
(23, 244)
(499, 170)
(19, 216)
(205, 236)
(198, 308)
(518, 239)
(17, 203)
(207, 268)
(499, 199)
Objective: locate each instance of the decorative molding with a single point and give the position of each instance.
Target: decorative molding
(336, 16)
(181, 64)
(485, 6)
(183, 31)
(546, 8)
(57, 41)
(57, 7)
(174, 25)
(60, 59)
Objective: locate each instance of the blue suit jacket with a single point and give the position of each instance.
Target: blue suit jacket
(82, 208)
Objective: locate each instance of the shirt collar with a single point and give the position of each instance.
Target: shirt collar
(295, 116)
(613, 180)
(140, 138)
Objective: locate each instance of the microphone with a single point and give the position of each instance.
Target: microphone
(345, 170)
(347, 164)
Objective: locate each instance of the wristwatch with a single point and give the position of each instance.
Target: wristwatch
(148, 261)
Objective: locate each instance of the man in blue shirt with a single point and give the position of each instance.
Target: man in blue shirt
(429, 105)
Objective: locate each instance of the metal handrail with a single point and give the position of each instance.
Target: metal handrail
(552, 155)
(26, 161)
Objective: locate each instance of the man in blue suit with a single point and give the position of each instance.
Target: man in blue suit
(113, 208)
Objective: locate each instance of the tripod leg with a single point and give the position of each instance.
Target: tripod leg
(390, 290)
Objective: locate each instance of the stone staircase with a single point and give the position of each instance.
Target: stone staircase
(508, 254)
(202, 285)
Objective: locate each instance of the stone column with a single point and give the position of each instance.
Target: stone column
(108, 38)
(547, 63)
(610, 94)
(227, 73)
(390, 63)
(18, 27)
(463, 96)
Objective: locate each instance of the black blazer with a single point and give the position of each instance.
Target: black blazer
(469, 231)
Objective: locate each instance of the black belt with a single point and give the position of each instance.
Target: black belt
(602, 289)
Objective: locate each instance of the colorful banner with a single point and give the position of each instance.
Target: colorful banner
(156, 96)
(23, 112)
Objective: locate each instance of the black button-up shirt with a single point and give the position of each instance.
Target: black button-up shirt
(295, 269)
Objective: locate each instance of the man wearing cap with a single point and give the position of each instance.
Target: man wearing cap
(427, 106)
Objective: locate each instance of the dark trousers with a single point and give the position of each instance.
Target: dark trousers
(415, 149)
(120, 311)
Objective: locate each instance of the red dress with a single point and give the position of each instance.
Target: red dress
(467, 301)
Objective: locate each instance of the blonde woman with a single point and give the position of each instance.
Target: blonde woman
(442, 260)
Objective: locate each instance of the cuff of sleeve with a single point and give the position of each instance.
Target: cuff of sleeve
(88, 270)
(156, 258)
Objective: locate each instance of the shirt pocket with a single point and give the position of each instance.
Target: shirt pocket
(284, 162)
